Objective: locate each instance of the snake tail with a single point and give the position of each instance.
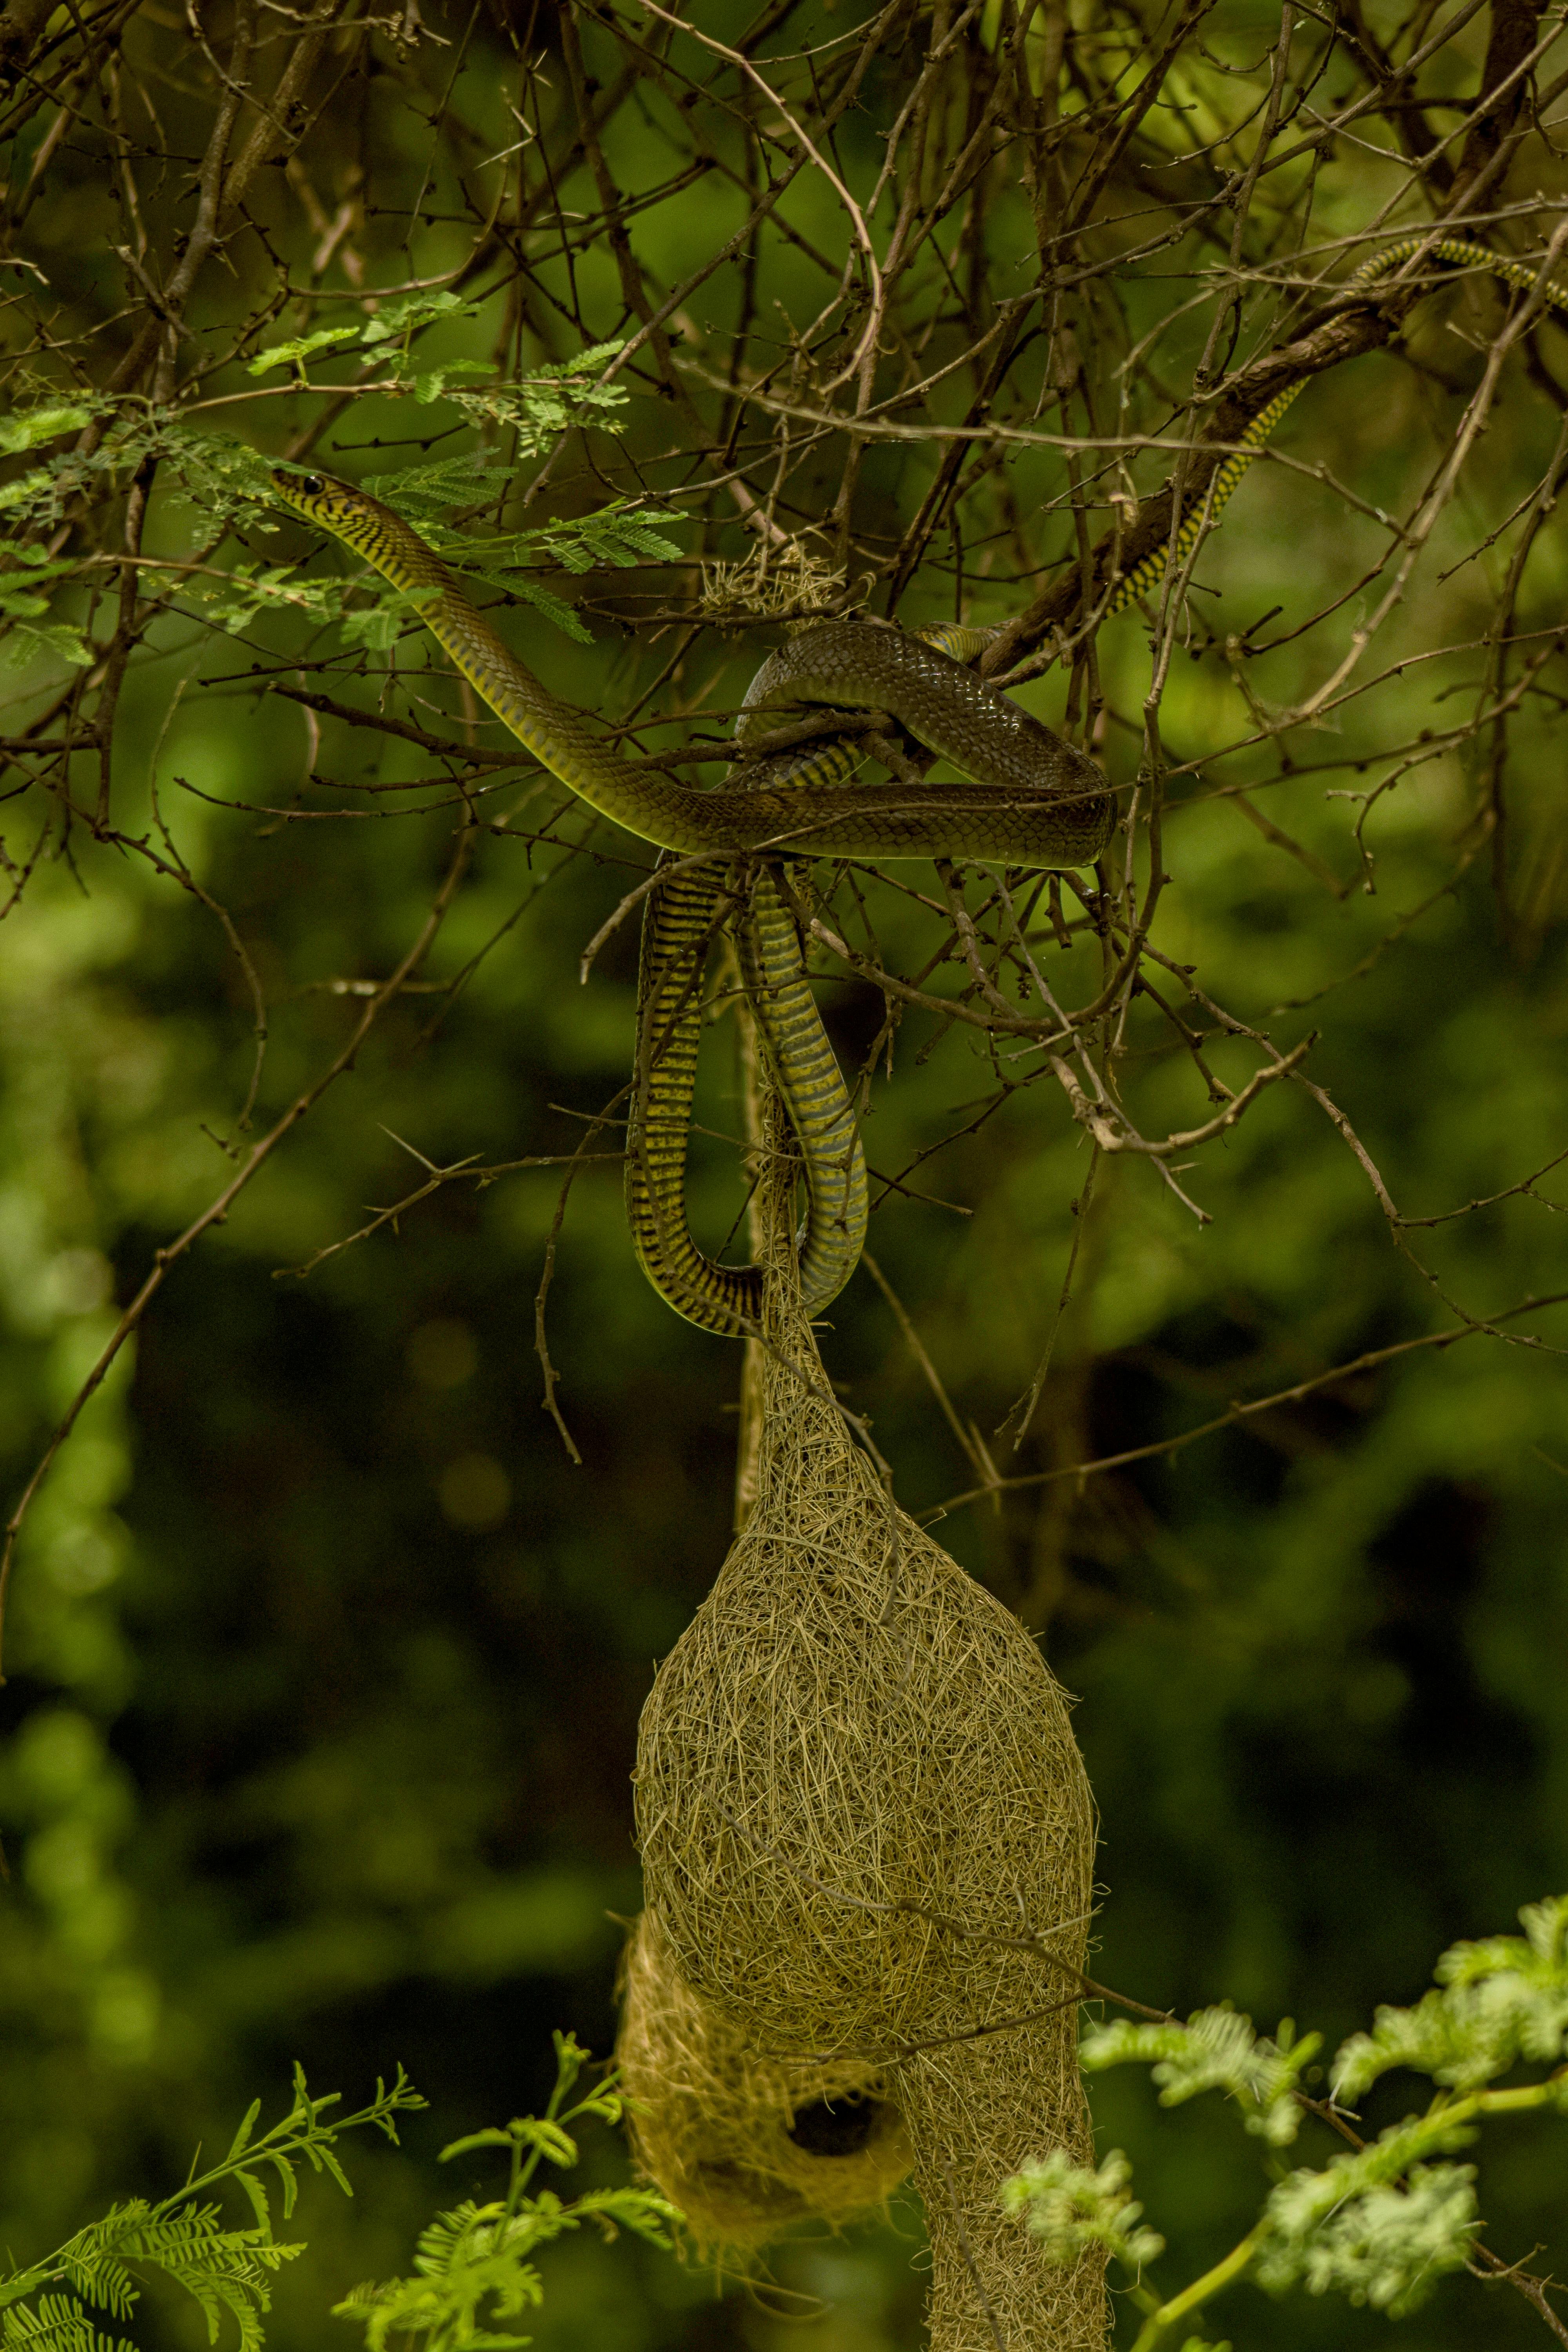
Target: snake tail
(1452, 252)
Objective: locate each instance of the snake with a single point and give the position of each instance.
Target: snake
(1023, 797)
(1459, 252)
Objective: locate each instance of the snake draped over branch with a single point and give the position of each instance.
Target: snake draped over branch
(1026, 798)
(1023, 797)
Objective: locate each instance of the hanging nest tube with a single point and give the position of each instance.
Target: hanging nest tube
(745, 2146)
(867, 1836)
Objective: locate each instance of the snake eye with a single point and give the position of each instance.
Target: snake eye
(313, 485)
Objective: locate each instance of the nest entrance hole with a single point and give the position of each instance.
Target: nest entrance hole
(841, 2127)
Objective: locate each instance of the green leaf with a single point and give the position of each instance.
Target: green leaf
(24, 428)
(57, 637)
(1498, 2000)
(1216, 2049)
(1386, 2247)
(56, 2325)
(25, 2282)
(555, 2144)
(221, 476)
(450, 482)
(431, 383)
(609, 2104)
(401, 316)
(594, 356)
(254, 2191)
(619, 534)
(228, 2273)
(26, 487)
(377, 630)
(570, 2060)
(490, 2138)
(473, 2271)
(291, 354)
(638, 2209)
(1301, 2203)
(18, 590)
(563, 618)
(1070, 2208)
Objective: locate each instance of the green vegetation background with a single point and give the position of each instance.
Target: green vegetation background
(327, 1661)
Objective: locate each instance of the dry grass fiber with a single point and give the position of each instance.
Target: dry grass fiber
(867, 1830)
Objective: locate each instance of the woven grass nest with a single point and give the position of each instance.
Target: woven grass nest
(745, 2146)
(868, 1835)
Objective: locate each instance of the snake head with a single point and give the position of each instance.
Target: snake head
(351, 514)
(376, 532)
(320, 495)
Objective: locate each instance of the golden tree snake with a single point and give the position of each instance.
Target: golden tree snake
(1023, 797)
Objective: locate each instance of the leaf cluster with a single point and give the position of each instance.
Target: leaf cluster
(222, 477)
(1379, 2224)
(473, 2270)
(534, 407)
(1072, 2207)
(28, 569)
(184, 2238)
(1217, 2050)
(620, 535)
(1497, 2002)
(227, 481)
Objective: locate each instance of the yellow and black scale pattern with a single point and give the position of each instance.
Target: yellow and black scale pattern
(683, 919)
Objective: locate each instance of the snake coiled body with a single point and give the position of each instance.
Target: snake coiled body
(824, 665)
(1023, 797)
(1045, 804)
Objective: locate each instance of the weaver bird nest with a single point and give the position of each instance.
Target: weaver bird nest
(867, 1836)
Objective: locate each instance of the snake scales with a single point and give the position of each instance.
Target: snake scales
(1025, 797)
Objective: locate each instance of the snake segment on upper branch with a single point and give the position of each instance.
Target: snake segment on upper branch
(1025, 797)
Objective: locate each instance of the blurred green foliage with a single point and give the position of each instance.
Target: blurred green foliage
(325, 1660)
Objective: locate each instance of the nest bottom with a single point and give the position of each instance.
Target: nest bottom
(977, 2112)
(746, 2145)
